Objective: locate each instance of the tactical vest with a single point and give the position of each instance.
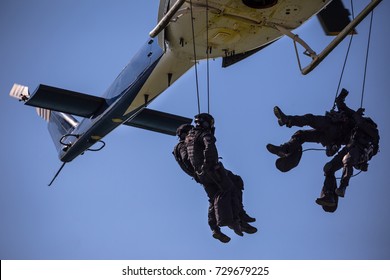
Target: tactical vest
(197, 152)
(181, 156)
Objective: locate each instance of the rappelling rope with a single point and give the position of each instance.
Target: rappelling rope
(194, 48)
(366, 62)
(207, 56)
(345, 60)
(313, 149)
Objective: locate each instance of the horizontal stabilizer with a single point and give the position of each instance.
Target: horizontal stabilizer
(334, 18)
(20, 92)
(158, 121)
(66, 101)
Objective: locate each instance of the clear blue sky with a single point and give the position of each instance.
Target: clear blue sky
(131, 200)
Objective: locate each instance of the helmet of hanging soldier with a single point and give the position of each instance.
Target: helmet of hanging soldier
(183, 129)
(204, 120)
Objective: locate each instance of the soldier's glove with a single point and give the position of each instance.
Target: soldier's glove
(360, 111)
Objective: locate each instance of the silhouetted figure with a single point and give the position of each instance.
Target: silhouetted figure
(333, 130)
(362, 146)
(223, 188)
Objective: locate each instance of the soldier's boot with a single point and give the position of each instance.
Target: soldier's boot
(282, 118)
(340, 191)
(246, 218)
(326, 200)
(236, 228)
(280, 151)
(247, 228)
(217, 234)
(289, 153)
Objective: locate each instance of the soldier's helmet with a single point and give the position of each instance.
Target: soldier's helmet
(183, 129)
(204, 120)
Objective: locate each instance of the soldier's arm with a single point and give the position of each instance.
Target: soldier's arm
(340, 103)
(210, 151)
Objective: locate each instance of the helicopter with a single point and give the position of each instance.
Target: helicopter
(187, 31)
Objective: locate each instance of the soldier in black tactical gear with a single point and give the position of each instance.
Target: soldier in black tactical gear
(181, 156)
(332, 130)
(362, 146)
(222, 186)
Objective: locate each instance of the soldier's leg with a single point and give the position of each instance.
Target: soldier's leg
(315, 121)
(306, 136)
(212, 221)
(223, 206)
(290, 153)
(225, 180)
(295, 143)
(329, 183)
(239, 189)
(229, 187)
(223, 212)
(245, 219)
(212, 190)
(285, 149)
(349, 160)
(222, 209)
(328, 199)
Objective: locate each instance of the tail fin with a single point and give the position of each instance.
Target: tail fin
(60, 124)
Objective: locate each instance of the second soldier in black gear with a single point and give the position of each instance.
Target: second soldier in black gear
(332, 131)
